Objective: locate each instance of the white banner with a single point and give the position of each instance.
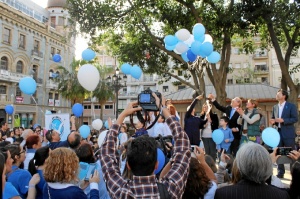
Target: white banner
(60, 123)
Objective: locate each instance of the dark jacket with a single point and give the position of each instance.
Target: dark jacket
(214, 120)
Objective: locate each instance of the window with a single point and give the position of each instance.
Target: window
(125, 90)
(4, 63)
(237, 65)
(180, 73)
(122, 104)
(2, 89)
(230, 81)
(87, 106)
(236, 51)
(50, 95)
(19, 67)
(35, 71)
(262, 67)
(18, 91)
(247, 80)
(56, 96)
(53, 22)
(60, 21)
(36, 46)
(6, 35)
(97, 106)
(181, 87)
(109, 107)
(264, 80)
(22, 41)
(238, 81)
(246, 65)
(165, 88)
(58, 51)
(52, 51)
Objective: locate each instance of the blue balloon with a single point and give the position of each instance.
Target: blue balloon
(214, 57)
(271, 137)
(106, 124)
(84, 131)
(218, 136)
(136, 71)
(206, 49)
(195, 47)
(198, 31)
(161, 161)
(88, 54)
(9, 109)
(170, 40)
(191, 56)
(125, 68)
(77, 109)
(200, 38)
(170, 48)
(27, 85)
(56, 58)
(184, 57)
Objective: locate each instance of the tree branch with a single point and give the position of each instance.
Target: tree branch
(192, 8)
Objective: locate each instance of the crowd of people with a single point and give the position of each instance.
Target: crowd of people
(38, 164)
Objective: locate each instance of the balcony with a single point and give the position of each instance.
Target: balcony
(260, 55)
(51, 84)
(4, 99)
(261, 69)
(37, 53)
(38, 80)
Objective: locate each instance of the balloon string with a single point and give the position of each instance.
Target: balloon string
(93, 107)
(36, 104)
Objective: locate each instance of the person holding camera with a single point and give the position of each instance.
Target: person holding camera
(192, 123)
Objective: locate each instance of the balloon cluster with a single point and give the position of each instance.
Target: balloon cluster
(135, 71)
(190, 46)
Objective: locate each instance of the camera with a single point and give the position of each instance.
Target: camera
(147, 101)
(283, 150)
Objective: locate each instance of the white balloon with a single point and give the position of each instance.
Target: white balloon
(181, 47)
(97, 124)
(190, 41)
(102, 137)
(208, 38)
(88, 77)
(183, 34)
(175, 51)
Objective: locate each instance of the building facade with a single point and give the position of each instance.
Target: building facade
(30, 36)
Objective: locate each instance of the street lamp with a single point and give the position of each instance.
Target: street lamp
(116, 84)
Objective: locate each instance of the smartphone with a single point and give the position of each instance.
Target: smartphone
(283, 150)
(193, 147)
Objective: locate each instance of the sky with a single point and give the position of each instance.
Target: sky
(81, 43)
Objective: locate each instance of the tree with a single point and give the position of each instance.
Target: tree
(68, 84)
(278, 22)
(134, 30)
(103, 92)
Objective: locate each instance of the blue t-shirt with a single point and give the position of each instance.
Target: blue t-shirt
(40, 186)
(19, 178)
(9, 191)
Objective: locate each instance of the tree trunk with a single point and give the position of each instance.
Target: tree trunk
(102, 108)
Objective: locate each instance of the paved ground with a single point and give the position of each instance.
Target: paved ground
(287, 176)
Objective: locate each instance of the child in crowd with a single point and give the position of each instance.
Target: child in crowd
(228, 136)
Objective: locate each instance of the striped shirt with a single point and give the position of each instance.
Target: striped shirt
(145, 186)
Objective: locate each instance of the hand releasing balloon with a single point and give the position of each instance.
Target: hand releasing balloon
(88, 77)
(218, 136)
(97, 124)
(27, 85)
(77, 109)
(88, 55)
(9, 109)
(271, 137)
(84, 131)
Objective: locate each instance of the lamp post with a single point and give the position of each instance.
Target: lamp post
(116, 84)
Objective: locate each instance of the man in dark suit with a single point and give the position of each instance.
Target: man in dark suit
(233, 116)
(254, 166)
(284, 116)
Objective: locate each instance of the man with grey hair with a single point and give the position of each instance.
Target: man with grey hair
(255, 167)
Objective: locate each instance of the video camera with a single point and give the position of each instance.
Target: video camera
(147, 101)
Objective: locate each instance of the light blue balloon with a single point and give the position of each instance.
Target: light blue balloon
(84, 131)
(125, 68)
(106, 124)
(56, 58)
(199, 38)
(214, 57)
(195, 47)
(9, 109)
(191, 56)
(206, 49)
(88, 54)
(170, 48)
(198, 31)
(77, 109)
(170, 40)
(218, 136)
(271, 137)
(161, 161)
(27, 85)
(184, 57)
(136, 71)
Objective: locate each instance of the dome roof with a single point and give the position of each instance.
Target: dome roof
(57, 3)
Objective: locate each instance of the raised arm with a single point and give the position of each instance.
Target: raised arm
(192, 106)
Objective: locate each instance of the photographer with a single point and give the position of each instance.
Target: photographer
(142, 161)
